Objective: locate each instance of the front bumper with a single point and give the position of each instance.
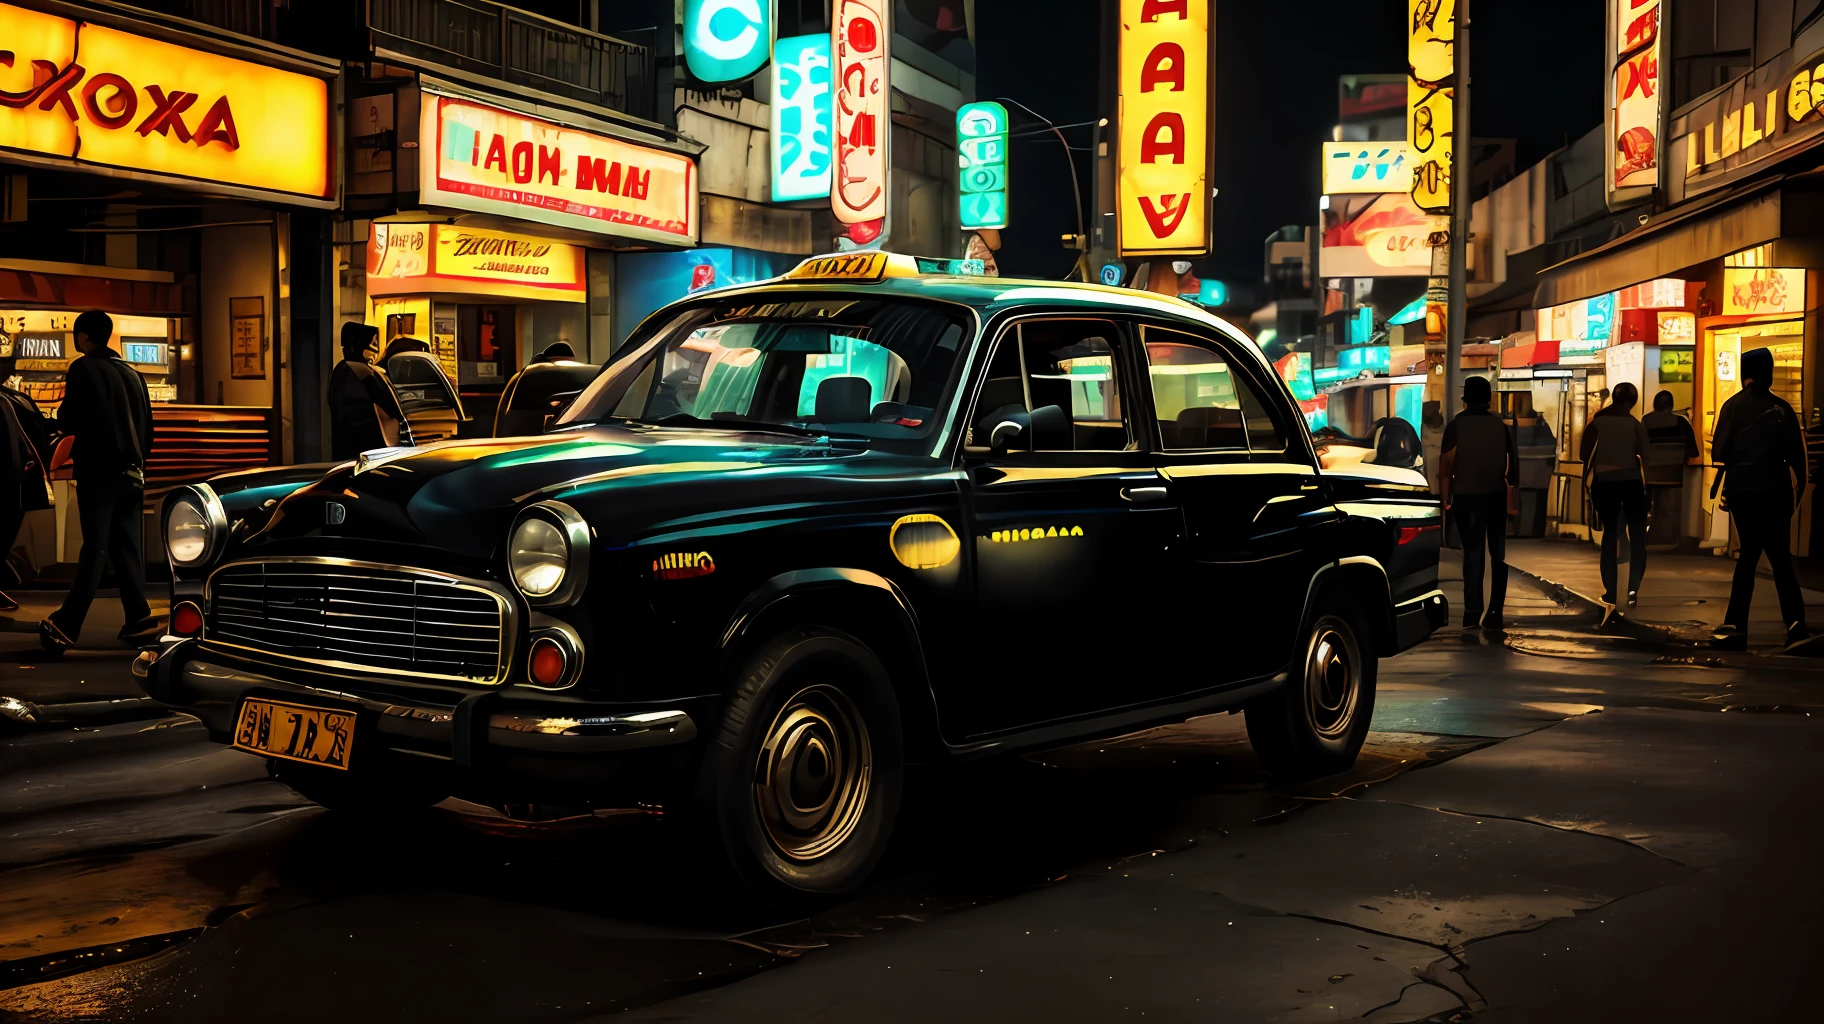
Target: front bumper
(1418, 618)
(497, 736)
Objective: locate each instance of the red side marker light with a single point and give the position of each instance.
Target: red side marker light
(548, 662)
(186, 619)
(1408, 534)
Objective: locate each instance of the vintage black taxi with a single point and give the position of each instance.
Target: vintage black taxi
(800, 535)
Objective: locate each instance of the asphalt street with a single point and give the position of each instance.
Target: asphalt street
(1555, 824)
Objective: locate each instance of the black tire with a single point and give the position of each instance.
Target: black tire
(353, 793)
(1315, 724)
(800, 786)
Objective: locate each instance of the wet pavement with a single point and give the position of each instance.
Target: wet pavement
(1557, 824)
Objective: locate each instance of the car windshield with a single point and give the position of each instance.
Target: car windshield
(875, 369)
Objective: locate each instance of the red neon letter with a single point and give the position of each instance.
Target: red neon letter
(1152, 147)
(1156, 71)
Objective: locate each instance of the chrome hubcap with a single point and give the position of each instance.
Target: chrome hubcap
(1332, 681)
(812, 773)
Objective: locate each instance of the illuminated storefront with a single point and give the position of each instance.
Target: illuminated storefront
(163, 171)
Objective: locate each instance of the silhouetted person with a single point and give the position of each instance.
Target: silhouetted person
(528, 396)
(1762, 452)
(1479, 467)
(1614, 454)
(1669, 428)
(24, 454)
(108, 411)
(363, 407)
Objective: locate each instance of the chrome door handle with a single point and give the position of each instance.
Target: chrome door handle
(1145, 494)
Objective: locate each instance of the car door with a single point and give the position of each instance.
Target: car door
(1254, 505)
(1063, 530)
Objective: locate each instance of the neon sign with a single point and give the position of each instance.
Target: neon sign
(1163, 185)
(1431, 91)
(981, 156)
(859, 45)
(726, 40)
(801, 118)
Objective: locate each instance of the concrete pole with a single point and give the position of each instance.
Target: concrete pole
(1462, 163)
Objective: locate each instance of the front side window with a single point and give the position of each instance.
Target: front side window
(873, 369)
(1201, 402)
(1065, 363)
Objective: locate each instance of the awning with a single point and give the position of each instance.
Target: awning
(1708, 229)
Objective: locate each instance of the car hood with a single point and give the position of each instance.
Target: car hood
(460, 496)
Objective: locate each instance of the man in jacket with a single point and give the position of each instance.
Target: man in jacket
(1762, 451)
(24, 442)
(362, 404)
(1480, 465)
(107, 409)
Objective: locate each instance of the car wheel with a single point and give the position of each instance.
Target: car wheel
(1314, 725)
(800, 786)
(358, 793)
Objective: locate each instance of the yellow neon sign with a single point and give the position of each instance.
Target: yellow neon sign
(1430, 97)
(102, 96)
(1163, 188)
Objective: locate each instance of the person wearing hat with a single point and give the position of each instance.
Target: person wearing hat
(1480, 467)
(364, 411)
(1761, 448)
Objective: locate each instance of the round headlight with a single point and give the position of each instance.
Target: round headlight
(186, 533)
(539, 556)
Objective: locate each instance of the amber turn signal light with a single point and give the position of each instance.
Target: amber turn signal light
(548, 663)
(187, 619)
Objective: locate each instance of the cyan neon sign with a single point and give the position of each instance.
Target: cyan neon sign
(802, 118)
(726, 40)
(981, 149)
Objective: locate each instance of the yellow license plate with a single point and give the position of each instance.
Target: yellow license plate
(296, 732)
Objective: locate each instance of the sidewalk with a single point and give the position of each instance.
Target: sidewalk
(93, 681)
(1682, 596)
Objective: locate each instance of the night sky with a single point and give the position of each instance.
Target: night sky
(1538, 78)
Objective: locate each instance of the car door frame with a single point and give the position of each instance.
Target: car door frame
(1135, 463)
(1288, 485)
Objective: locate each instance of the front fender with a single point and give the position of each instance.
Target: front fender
(859, 602)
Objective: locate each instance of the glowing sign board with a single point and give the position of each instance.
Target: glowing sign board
(801, 118)
(726, 40)
(1754, 290)
(1351, 167)
(858, 43)
(483, 158)
(102, 96)
(981, 157)
(1633, 110)
(1430, 98)
(1163, 188)
(404, 259)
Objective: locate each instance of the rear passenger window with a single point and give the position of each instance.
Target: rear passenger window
(1066, 363)
(1200, 403)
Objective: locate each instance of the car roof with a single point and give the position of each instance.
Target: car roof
(992, 295)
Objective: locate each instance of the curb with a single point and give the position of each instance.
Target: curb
(1610, 620)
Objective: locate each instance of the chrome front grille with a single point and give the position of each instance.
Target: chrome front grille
(357, 615)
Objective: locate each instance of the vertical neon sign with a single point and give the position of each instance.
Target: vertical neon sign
(726, 40)
(981, 156)
(858, 45)
(801, 118)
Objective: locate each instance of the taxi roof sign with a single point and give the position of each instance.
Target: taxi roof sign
(876, 266)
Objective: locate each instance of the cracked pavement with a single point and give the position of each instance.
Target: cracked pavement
(1558, 825)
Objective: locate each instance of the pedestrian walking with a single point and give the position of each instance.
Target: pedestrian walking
(1761, 449)
(1614, 453)
(108, 411)
(24, 453)
(364, 411)
(1674, 449)
(1480, 467)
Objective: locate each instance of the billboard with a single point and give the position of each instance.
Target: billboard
(1634, 98)
(1430, 100)
(417, 259)
(801, 114)
(981, 157)
(859, 36)
(1366, 167)
(726, 40)
(97, 95)
(1164, 156)
(482, 158)
(1383, 235)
